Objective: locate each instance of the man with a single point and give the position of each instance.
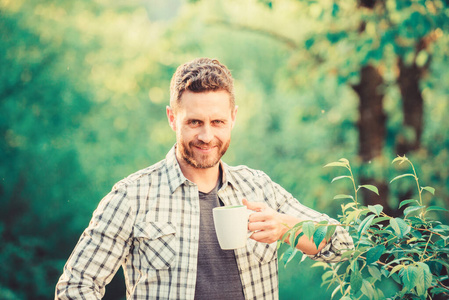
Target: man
(157, 223)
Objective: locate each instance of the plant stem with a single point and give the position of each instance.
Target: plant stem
(419, 189)
(424, 229)
(425, 248)
(353, 184)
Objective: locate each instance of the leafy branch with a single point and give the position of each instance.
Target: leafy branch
(412, 251)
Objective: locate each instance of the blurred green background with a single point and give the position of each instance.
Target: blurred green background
(84, 86)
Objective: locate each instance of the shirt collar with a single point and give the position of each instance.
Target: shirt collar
(174, 173)
(227, 178)
(176, 177)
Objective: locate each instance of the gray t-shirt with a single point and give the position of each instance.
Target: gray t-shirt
(218, 274)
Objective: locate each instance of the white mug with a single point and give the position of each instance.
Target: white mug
(231, 226)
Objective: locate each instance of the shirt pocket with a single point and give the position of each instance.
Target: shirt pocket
(156, 244)
(262, 252)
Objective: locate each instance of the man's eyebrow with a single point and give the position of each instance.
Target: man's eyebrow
(193, 119)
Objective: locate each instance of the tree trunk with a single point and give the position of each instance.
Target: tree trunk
(372, 131)
(372, 117)
(412, 107)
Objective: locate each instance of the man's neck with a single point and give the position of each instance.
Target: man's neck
(205, 179)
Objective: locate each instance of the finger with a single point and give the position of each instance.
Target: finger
(263, 237)
(256, 206)
(258, 217)
(256, 226)
(263, 225)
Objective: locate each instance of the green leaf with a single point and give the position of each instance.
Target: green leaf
(319, 235)
(308, 228)
(367, 289)
(405, 202)
(347, 254)
(420, 284)
(380, 294)
(344, 160)
(405, 228)
(341, 196)
(441, 228)
(416, 221)
(359, 252)
(293, 253)
(330, 231)
(375, 273)
(291, 238)
(297, 227)
(411, 209)
(409, 276)
(424, 277)
(372, 188)
(340, 177)
(335, 164)
(435, 208)
(298, 236)
(402, 176)
(356, 280)
(353, 215)
(348, 205)
(286, 254)
(321, 264)
(365, 224)
(403, 224)
(401, 159)
(326, 275)
(395, 269)
(377, 209)
(380, 219)
(429, 189)
(444, 263)
(374, 254)
(303, 258)
(436, 291)
(284, 237)
(335, 291)
(399, 226)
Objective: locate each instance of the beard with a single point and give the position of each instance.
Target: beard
(202, 161)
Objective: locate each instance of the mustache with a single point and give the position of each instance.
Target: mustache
(203, 144)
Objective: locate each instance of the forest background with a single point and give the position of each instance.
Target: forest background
(84, 86)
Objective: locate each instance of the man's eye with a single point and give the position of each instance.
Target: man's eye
(218, 122)
(194, 122)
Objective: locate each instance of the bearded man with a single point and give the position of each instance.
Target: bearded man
(157, 223)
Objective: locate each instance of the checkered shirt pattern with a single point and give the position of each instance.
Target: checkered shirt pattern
(149, 225)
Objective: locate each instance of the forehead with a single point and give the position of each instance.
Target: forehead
(210, 103)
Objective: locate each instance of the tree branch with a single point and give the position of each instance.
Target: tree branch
(291, 44)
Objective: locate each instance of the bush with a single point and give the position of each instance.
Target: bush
(412, 251)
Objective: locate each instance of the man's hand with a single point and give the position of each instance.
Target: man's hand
(266, 223)
(269, 226)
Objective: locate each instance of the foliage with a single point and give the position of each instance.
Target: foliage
(84, 87)
(412, 251)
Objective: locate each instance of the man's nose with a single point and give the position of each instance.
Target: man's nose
(206, 135)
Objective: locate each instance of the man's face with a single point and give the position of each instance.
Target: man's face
(203, 124)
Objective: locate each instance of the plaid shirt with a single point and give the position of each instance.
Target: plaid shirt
(149, 225)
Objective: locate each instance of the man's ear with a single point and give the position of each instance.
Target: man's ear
(234, 114)
(171, 118)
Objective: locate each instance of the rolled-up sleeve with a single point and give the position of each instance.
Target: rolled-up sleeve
(100, 250)
(340, 241)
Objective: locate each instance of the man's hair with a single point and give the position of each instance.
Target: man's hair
(201, 75)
